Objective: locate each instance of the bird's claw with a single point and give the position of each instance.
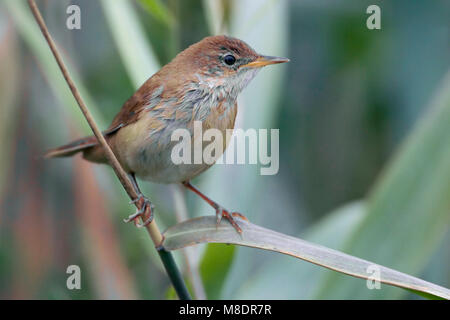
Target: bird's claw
(219, 214)
(142, 213)
(140, 196)
(223, 213)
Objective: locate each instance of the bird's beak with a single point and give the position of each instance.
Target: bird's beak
(265, 61)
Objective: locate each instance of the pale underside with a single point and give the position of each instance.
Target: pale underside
(208, 101)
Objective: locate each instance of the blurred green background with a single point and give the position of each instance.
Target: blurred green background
(364, 119)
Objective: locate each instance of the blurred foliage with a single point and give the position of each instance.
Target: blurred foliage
(344, 106)
(215, 266)
(409, 209)
(159, 11)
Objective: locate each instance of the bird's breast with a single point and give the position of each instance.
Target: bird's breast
(146, 146)
(221, 117)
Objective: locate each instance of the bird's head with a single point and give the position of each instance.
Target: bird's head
(222, 63)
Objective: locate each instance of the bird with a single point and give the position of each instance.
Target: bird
(201, 83)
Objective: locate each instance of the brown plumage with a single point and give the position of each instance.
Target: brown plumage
(200, 84)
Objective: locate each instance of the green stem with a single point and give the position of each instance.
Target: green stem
(174, 273)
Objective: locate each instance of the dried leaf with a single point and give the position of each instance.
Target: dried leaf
(204, 230)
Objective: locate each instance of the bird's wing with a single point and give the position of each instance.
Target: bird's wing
(149, 93)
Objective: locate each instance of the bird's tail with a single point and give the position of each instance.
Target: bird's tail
(90, 147)
(72, 148)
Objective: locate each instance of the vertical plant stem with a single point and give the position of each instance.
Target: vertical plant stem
(173, 273)
(152, 228)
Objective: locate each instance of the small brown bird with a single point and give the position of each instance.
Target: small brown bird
(200, 84)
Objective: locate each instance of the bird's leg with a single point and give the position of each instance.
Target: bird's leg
(220, 211)
(146, 207)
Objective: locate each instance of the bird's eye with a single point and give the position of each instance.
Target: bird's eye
(229, 59)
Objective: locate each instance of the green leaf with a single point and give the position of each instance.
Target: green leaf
(214, 267)
(158, 11)
(204, 230)
(136, 52)
(409, 210)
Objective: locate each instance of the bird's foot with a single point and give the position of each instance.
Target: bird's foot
(223, 213)
(145, 212)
